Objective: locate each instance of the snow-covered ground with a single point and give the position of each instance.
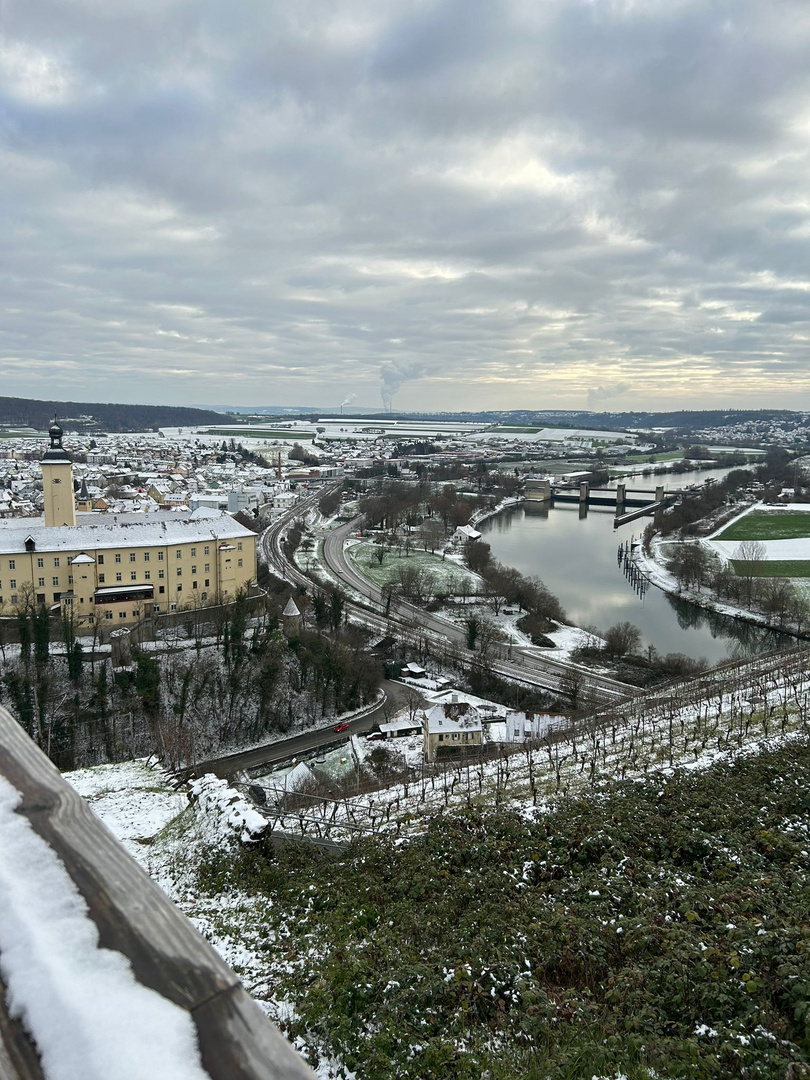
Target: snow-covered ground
(762, 704)
(88, 1015)
(133, 799)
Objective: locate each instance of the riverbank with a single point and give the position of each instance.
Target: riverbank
(653, 567)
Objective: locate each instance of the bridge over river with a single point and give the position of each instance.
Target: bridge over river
(630, 503)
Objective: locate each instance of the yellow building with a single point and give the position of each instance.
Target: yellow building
(118, 567)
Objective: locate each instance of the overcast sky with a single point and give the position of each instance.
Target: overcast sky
(443, 203)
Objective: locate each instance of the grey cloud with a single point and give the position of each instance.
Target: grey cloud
(458, 204)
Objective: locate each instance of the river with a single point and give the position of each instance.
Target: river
(576, 557)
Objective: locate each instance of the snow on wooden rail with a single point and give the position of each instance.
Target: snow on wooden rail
(100, 975)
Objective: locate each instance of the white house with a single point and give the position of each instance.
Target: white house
(452, 726)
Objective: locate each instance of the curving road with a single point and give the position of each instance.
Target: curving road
(396, 697)
(525, 666)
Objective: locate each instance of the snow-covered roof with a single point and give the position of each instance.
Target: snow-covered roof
(291, 608)
(399, 725)
(453, 716)
(93, 532)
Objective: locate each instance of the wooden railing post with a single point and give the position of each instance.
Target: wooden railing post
(136, 918)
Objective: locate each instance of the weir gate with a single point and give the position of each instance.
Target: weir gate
(630, 504)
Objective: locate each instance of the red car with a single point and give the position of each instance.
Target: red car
(342, 727)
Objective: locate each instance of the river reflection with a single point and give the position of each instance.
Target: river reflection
(574, 551)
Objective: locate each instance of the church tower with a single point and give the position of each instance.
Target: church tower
(57, 481)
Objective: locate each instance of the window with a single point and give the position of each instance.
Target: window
(133, 576)
(155, 607)
(173, 607)
(238, 562)
(204, 596)
(40, 563)
(179, 571)
(107, 614)
(122, 614)
(160, 556)
(161, 588)
(40, 597)
(147, 575)
(12, 564)
(41, 582)
(194, 553)
(118, 556)
(13, 598)
(101, 579)
(206, 551)
(178, 554)
(100, 559)
(194, 569)
(118, 577)
(239, 545)
(57, 596)
(55, 579)
(207, 582)
(208, 568)
(179, 588)
(146, 556)
(70, 579)
(132, 556)
(13, 585)
(56, 562)
(161, 573)
(194, 584)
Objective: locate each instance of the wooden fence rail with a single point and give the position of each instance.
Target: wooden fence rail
(135, 918)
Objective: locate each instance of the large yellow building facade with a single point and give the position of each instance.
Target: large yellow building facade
(117, 568)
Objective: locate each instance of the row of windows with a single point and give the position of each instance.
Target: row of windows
(12, 564)
(147, 574)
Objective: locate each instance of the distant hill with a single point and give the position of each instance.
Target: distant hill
(98, 416)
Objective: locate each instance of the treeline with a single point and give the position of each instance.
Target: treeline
(28, 412)
(506, 585)
(243, 682)
(742, 583)
(776, 472)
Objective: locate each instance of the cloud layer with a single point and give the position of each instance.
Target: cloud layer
(443, 203)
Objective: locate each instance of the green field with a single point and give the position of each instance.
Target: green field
(786, 568)
(789, 525)
(448, 576)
